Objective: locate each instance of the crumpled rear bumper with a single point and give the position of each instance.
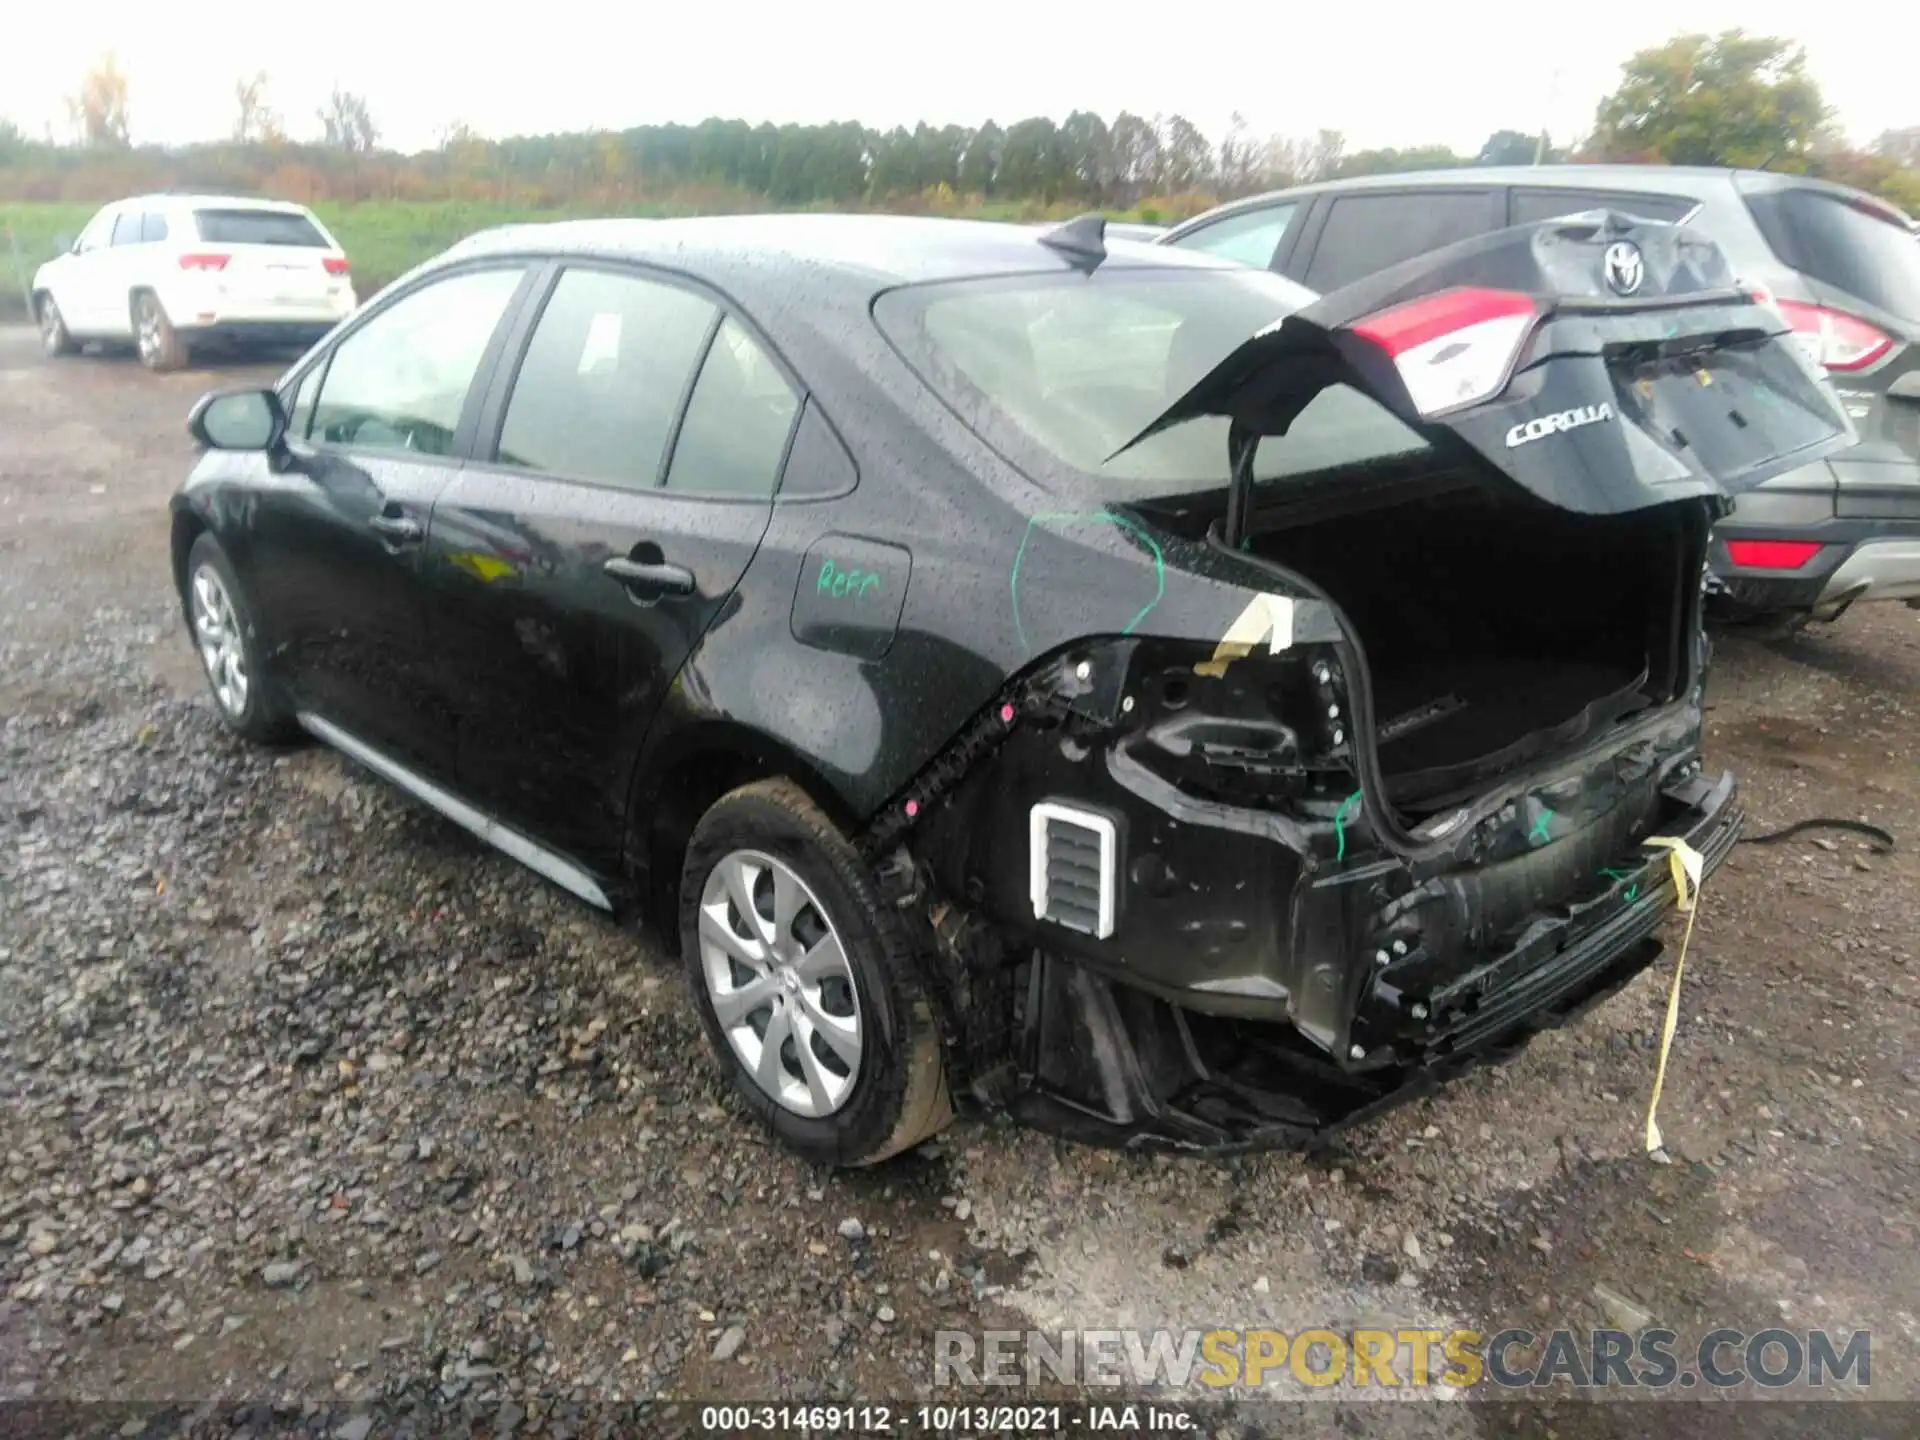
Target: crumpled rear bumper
(1108, 1062)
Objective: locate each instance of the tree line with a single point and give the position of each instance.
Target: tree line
(1730, 99)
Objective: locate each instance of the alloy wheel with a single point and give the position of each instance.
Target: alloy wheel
(780, 983)
(148, 331)
(216, 630)
(53, 330)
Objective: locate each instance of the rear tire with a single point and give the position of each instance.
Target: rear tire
(231, 648)
(872, 1080)
(55, 339)
(158, 343)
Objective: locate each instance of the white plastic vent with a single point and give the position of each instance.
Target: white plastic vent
(1072, 859)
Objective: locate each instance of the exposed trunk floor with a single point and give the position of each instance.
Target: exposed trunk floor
(1456, 709)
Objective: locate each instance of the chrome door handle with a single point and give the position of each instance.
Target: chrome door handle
(397, 528)
(659, 578)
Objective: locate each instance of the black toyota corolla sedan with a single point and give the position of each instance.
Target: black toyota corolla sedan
(1029, 670)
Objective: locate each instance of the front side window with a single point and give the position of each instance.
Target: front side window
(738, 420)
(400, 381)
(1249, 238)
(99, 232)
(1067, 371)
(300, 407)
(603, 378)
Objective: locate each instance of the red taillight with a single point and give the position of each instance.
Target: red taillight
(1837, 340)
(204, 261)
(1454, 348)
(1772, 554)
(336, 264)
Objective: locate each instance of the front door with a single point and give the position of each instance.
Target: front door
(379, 425)
(580, 559)
(82, 282)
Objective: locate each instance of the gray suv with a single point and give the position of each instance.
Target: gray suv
(1842, 266)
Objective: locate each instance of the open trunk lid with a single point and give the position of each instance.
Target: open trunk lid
(1601, 362)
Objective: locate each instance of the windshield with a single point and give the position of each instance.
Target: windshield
(1071, 367)
(257, 227)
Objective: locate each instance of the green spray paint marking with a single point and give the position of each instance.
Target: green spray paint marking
(1633, 890)
(844, 584)
(1098, 517)
(1539, 834)
(1340, 826)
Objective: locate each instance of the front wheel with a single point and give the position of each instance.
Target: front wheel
(231, 647)
(55, 339)
(806, 981)
(160, 345)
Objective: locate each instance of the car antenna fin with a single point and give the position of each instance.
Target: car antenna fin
(1082, 240)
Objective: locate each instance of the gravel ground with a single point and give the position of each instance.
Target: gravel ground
(310, 1098)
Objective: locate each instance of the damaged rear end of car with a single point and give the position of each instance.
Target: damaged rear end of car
(1364, 793)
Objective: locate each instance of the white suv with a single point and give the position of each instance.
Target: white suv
(174, 273)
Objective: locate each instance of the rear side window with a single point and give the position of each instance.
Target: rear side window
(738, 421)
(153, 227)
(1250, 238)
(1069, 371)
(1365, 234)
(400, 381)
(1532, 205)
(126, 228)
(257, 227)
(1838, 244)
(603, 378)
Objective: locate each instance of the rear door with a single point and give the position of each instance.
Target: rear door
(118, 271)
(624, 477)
(1521, 349)
(1862, 266)
(280, 264)
(1366, 231)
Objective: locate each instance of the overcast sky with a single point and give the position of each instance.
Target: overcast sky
(1448, 73)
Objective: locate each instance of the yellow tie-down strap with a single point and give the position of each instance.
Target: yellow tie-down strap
(1688, 868)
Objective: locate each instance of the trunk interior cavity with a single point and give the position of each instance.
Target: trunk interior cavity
(1497, 631)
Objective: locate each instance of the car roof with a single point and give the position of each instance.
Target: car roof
(866, 253)
(186, 201)
(1685, 180)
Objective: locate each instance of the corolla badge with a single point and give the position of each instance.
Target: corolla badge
(1624, 267)
(1528, 431)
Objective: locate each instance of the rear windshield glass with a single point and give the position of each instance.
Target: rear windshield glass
(1067, 369)
(1836, 244)
(257, 227)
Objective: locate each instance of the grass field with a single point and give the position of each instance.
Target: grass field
(384, 239)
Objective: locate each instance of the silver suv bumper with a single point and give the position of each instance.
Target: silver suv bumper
(1876, 570)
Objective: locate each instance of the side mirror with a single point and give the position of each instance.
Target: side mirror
(65, 244)
(239, 420)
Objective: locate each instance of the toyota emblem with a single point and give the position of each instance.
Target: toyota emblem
(1623, 267)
